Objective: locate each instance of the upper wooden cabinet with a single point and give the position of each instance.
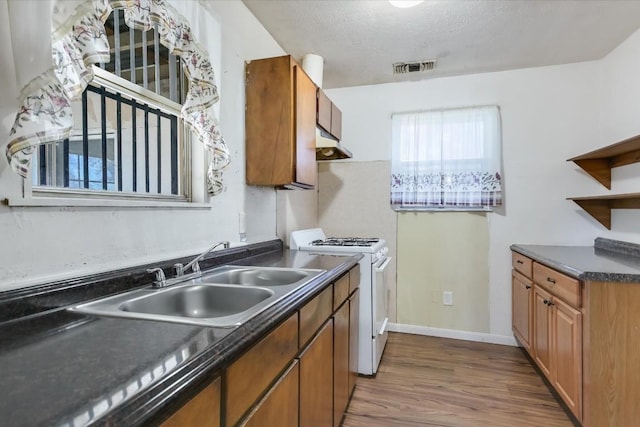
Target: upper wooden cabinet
(329, 117)
(280, 124)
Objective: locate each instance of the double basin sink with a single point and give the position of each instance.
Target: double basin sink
(224, 297)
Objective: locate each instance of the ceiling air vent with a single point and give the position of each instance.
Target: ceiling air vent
(414, 67)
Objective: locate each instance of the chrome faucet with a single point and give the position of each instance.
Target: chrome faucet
(161, 280)
(195, 267)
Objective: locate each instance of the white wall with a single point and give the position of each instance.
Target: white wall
(548, 115)
(37, 244)
(620, 119)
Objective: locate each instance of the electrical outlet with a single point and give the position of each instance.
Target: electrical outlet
(447, 298)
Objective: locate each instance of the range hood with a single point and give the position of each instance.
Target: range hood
(327, 148)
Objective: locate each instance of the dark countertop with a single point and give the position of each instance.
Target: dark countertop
(605, 261)
(67, 369)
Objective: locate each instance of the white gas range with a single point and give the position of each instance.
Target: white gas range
(374, 295)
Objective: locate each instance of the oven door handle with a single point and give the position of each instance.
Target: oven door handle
(381, 268)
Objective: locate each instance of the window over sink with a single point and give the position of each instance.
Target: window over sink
(128, 137)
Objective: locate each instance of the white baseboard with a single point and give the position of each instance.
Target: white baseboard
(452, 333)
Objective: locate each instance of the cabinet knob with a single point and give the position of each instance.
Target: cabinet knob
(519, 262)
(527, 286)
(549, 279)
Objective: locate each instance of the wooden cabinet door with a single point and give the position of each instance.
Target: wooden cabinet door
(269, 122)
(354, 336)
(542, 338)
(280, 124)
(567, 345)
(250, 375)
(340, 362)
(306, 166)
(316, 380)
(522, 309)
(280, 406)
(201, 411)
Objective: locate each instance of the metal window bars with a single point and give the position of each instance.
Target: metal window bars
(113, 126)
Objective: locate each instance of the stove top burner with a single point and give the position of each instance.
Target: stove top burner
(346, 241)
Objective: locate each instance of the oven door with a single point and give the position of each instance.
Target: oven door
(380, 296)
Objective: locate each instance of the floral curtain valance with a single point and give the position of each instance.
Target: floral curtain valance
(447, 159)
(78, 40)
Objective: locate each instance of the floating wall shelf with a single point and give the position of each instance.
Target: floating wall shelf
(599, 163)
(600, 207)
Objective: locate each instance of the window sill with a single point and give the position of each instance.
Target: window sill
(100, 203)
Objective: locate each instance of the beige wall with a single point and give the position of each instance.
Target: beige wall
(353, 200)
(295, 210)
(443, 251)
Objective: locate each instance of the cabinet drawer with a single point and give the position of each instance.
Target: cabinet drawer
(279, 407)
(522, 264)
(203, 410)
(558, 284)
(249, 376)
(354, 278)
(340, 291)
(314, 313)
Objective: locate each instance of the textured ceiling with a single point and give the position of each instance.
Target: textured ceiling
(360, 40)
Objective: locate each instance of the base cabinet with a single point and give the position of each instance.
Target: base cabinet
(586, 341)
(280, 406)
(354, 333)
(522, 307)
(202, 411)
(316, 380)
(341, 362)
(250, 376)
(546, 308)
(558, 346)
(543, 334)
(567, 350)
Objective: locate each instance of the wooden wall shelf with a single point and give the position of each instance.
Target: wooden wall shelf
(599, 163)
(600, 207)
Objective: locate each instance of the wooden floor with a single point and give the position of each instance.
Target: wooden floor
(427, 381)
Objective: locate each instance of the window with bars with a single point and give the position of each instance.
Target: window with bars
(128, 139)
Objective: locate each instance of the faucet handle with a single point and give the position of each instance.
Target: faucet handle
(160, 278)
(195, 267)
(179, 268)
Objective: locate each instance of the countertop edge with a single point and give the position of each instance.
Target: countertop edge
(592, 276)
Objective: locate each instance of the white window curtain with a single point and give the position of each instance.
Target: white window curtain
(447, 159)
(53, 44)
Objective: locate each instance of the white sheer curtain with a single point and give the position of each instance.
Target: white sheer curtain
(447, 159)
(53, 44)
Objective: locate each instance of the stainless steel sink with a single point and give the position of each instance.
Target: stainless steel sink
(257, 276)
(223, 297)
(199, 301)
